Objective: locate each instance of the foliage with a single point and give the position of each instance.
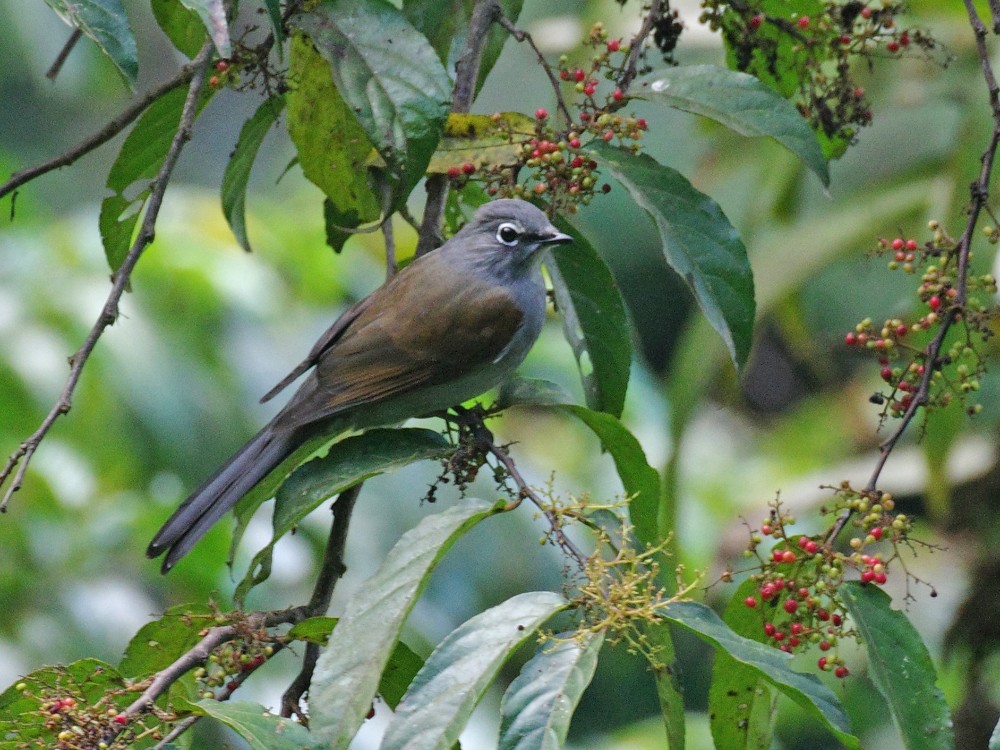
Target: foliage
(373, 101)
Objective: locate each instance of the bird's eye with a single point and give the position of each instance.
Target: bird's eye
(508, 234)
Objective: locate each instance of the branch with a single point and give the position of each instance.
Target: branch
(979, 194)
(524, 36)
(22, 456)
(57, 64)
(332, 569)
(105, 134)
(484, 13)
(637, 44)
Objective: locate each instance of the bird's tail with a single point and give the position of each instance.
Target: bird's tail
(219, 494)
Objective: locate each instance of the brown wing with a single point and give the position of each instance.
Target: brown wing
(421, 329)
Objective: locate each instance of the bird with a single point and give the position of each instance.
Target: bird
(448, 327)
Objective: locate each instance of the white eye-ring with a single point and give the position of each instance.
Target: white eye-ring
(508, 233)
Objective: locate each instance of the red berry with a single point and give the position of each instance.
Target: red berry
(590, 89)
(541, 114)
(777, 554)
(811, 547)
(803, 22)
(886, 374)
(904, 39)
(898, 244)
(803, 541)
(912, 245)
(222, 66)
(791, 605)
(876, 532)
(893, 46)
(121, 719)
(934, 303)
(880, 578)
(851, 339)
(576, 163)
(845, 39)
(867, 576)
(841, 672)
(469, 168)
(608, 136)
(642, 124)
(750, 601)
(371, 712)
(803, 593)
(821, 663)
(779, 636)
(793, 642)
(838, 620)
(788, 556)
(765, 529)
(574, 143)
(454, 172)
(579, 75)
(564, 75)
(213, 81)
(866, 12)
(824, 645)
(614, 45)
(823, 615)
(796, 628)
(756, 21)
(618, 95)
(769, 629)
(767, 591)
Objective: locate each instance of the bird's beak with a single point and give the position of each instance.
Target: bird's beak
(553, 236)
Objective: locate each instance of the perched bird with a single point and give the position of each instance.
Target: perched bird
(451, 325)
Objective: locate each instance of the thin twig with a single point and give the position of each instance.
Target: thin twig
(390, 248)
(109, 313)
(57, 64)
(979, 194)
(105, 134)
(331, 571)
(484, 13)
(637, 44)
(524, 36)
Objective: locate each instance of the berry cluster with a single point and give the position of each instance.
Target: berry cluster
(222, 75)
(815, 53)
(957, 366)
(798, 580)
(66, 715)
(229, 665)
(561, 169)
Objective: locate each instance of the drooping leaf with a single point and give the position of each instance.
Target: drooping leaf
(901, 668)
(446, 26)
(181, 25)
(26, 707)
(348, 671)
(772, 664)
(741, 704)
(742, 103)
(390, 77)
(481, 140)
(537, 707)
(331, 145)
(699, 243)
(277, 27)
(234, 181)
(138, 162)
(105, 22)
(441, 697)
(348, 462)
(159, 643)
(259, 727)
(594, 320)
(213, 15)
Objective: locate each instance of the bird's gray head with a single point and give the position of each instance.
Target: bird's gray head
(508, 233)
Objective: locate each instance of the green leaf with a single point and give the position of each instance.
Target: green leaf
(772, 664)
(349, 461)
(441, 698)
(446, 26)
(260, 728)
(277, 27)
(181, 25)
(390, 77)
(159, 643)
(313, 630)
(741, 704)
(105, 22)
(234, 181)
(699, 243)
(25, 713)
(640, 480)
(481, 140)
(742, 103)
(594, 320)
(537, 707)
(348, 671)
(331, 145)
(901, 668)
(213, 15)
(140, 159)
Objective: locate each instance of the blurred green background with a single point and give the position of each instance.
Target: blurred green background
(172, 388)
